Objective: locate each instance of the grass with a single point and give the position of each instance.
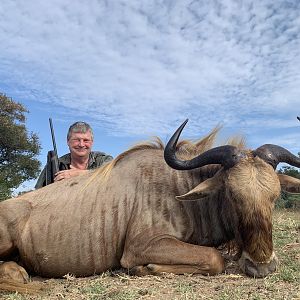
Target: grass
(98, 290)
(287, 244)
(233, 285)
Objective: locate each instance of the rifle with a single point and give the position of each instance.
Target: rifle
(52, 159)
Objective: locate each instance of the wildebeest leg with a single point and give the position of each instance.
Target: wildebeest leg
(14, 278)
(11, 270)
(167, 254)
(155, 269)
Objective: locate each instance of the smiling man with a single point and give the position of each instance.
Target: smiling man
(81, 157)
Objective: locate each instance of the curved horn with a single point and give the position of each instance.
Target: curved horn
(274, 154)
(227, 155)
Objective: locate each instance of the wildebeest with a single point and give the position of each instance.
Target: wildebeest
(139, 213)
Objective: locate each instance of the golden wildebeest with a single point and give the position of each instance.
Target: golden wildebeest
(125, 214)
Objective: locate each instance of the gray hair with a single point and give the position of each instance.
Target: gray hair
(81, 127)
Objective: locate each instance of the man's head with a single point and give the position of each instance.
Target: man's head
(80, 139)
(79, 127)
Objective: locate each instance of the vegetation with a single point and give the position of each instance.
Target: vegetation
(232, 285)
(18, 148)
(291, 171)
(288, 200)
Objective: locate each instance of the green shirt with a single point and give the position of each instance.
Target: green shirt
(96, 159)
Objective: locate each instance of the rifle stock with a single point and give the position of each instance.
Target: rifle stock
(52, 166)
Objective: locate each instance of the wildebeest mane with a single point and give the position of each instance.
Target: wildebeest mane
(186, 149)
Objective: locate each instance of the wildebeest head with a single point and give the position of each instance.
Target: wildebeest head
(249, 185)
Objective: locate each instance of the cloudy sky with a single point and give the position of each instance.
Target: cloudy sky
(135, 69)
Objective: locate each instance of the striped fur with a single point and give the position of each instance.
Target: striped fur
(125, 214)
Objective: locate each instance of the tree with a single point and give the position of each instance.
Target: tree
(291, 171)
(18, 148)
(288, 200)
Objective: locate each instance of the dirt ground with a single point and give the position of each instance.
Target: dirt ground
(233, 284)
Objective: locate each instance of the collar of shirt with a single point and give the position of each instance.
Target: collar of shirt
(66, 161)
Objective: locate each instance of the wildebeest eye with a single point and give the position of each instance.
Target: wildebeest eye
(238, 155)
(271, 160)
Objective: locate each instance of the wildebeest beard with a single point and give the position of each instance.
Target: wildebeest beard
(222, 216)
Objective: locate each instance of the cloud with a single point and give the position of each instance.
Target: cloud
(143, 67)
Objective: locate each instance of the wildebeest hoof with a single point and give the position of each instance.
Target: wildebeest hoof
(137, 271)
(143, 270)
(11, 270)
(151, 268)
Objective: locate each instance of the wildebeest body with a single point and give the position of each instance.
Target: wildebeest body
(125, 214)
(81, 230)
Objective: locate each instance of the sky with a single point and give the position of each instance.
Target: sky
(136, 69)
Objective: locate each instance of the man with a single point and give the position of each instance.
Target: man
(80, 159)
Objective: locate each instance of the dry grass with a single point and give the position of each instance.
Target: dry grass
(233, 285)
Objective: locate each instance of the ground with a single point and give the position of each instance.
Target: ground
(233, 285)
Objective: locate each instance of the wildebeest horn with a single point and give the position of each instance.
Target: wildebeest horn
(227, 155)
(274, 154)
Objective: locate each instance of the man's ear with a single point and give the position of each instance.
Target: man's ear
(289, 184)
(205, 188)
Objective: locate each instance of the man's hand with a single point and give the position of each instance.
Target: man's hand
(61, 175)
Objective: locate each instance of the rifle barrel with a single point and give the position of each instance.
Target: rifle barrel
(53, 137)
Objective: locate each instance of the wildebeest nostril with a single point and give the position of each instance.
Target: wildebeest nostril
(250, 268)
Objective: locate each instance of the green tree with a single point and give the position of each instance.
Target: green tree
(18, 148)
(288, 200)
(291, 171)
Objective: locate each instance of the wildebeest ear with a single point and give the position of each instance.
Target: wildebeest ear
(204, 189)
(289, 184)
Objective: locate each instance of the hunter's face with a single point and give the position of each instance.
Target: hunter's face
(80, 144)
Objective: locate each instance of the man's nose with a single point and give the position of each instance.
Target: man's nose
(81, 143)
